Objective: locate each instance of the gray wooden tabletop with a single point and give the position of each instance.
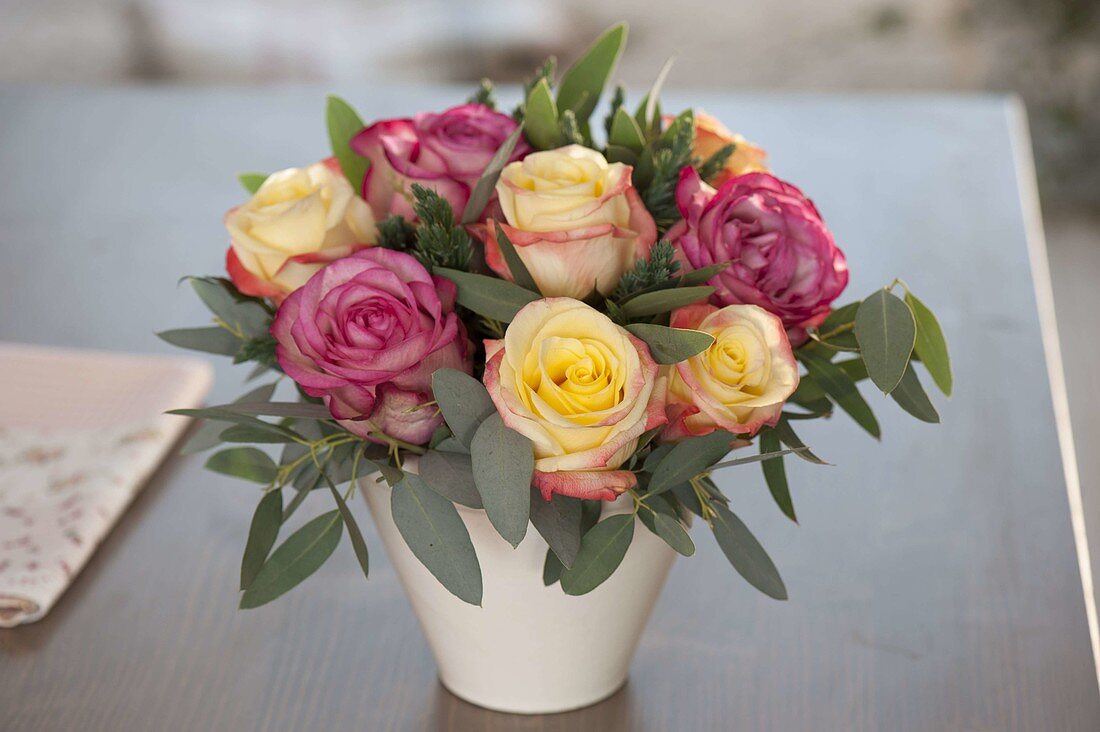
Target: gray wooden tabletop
(934, 580)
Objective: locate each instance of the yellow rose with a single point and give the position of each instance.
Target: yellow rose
(740, 382)
(711, 136)
(299, 220)
(581, 388)
(575, 220)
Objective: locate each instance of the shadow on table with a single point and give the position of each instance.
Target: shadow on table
(450, 714)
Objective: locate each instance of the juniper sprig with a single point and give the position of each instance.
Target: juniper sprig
(713, 165)
(484, 95)
(396, 233)
(668, 160)
(439, 242)
(660, 268)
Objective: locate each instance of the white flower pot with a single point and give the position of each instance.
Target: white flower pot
(530, 649)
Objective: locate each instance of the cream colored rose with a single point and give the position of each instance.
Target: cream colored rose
(711, 136)
(299, 220)
(575, 221)
(581, 388)
(740, 382)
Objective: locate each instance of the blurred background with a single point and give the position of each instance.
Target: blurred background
(1046, 51)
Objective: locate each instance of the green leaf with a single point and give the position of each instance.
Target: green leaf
(252, 433)
(551, 568)
(483, 189)
(503, 462)
(788, 437)
(559, 522)
(671, 345)
(702, 275)
(625, 132)
(435, 533)
(451, 475)
(249, 463)
(685, 494)
(541, 125)
(745, 553)
(931, 346)
(464, 402)
(911, 397)
(758, 458)
(299, 410)
(262, 534)
(838, 385)
(886, 333)
(673, 533)
(840, 316)
(602, 551)
(648, 114)
(241, 315)
(297, 558)
(212, 339)
(251, 182)
(663, 301)
(358, 545)
(494, 298)
(519, 270)
(775, 475)
(582, 84)
(687, 459)
(208, 435)
(343, 124)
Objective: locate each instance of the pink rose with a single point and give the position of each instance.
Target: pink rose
(365, 334)
(446, 152)
(782, 256)
(739, 383)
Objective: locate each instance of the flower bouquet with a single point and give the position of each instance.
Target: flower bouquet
(531, 340)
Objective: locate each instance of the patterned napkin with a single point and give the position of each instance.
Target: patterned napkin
(79, 434)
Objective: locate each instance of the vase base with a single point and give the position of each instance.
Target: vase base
(531, 707)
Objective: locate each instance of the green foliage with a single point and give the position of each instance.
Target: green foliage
(618, 99)
(659, 269)
(745, 553)
(571, 133)
(343, 124)
(484, 95)
(545, 71)
(503, 463)
(486, 183)
(775, 475)
(243, 462)
(439, 243)
(687, 459)
(670, 155)
(541, 123)
(671, 345)
(295, 560)
(559, 522)
(490, 297)
(262, 535)
(396, 232)
(601, 552)
(910, 396)
(464, 401)
(886, 332)
(714, 165)
(582, 83)
(251, 182)
(663, 301)
(930, 346)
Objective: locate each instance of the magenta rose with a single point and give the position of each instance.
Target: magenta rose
(446, 152)
(782, 258)
(365, 334)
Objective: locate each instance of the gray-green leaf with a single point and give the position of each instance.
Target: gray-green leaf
(886, 333)
(625, 131)
(673, 533)
(687, 459)
(775, 475)
(435, 533)
(483, 189)
(840, 386)
(464, 402)
(745, 553)
(540, 122)
(583, 83)
(243, 316)
(262, 534)
(343, 124)
(602, 551)
(451, 475)
(671, 345)
(211, 339)
(559, 522)
(503, 462)
(663, 301)
(249, 463)
(489, 296)
(358, 545)
(911, 397)
(931, 346)
(520, 273)
(296, 558)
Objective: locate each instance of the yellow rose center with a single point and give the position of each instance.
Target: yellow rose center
(574, 377)
(737, 364)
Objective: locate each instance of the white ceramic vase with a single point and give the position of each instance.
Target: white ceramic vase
(530, 649)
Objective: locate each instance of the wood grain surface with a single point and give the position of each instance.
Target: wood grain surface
(933, 579)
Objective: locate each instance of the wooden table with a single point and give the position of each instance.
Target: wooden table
(934, 580)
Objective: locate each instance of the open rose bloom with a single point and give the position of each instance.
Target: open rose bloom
(501, 311)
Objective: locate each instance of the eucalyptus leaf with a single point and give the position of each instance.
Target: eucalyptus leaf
(262, 533)
(296, 558)
(788, 437)
(251, 433)
(435, 533)
(673, 533)
(840, 316)
(671, 345)
(663, 301)
(464, 402)
(775, 475)
(625, 132)
(540, 122)
(931, 346)
(483, 189)
(503, 463)
(910, 396)
(583, 82)
(241, 315)
(702, 275)
(358, 544)
(838, 385)
(559, 522)
(551, 568)
(520, 273)
(886, 332)
(343, 124)
(685, 494)
(251, 182)
(687, 459)
(211, 339)
(208, 434)
(745, 553)
(602, 551)
(451, 475)
(489, 296)
(303, 410)
(249, 463)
